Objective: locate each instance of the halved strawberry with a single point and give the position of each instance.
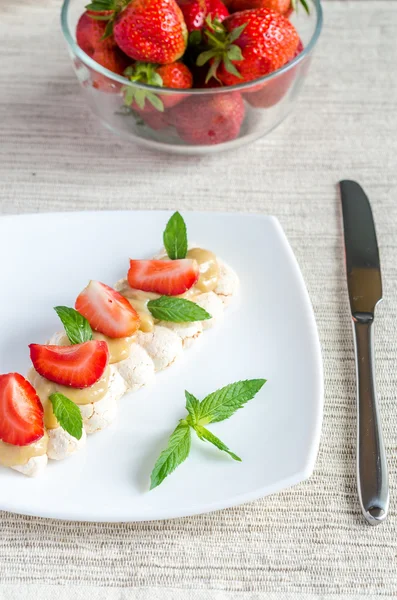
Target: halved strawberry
(78, 366)
(166, 277)
(107, 311)
(21, 412)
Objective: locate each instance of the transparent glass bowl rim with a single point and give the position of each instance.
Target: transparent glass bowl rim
(196, 91)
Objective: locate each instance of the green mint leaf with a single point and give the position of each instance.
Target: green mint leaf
(76, 326)
(177, 310)
(177, 451)
(223, 403)
(192, 407)
(175, 237)
(204, 434)
(67, 414)
(237, 32)
(155, 101)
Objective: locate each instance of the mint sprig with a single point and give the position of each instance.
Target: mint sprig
(175, 237)
(215, 407)
(67, 414)
(177, 310)
(177, 451)
(76, 326)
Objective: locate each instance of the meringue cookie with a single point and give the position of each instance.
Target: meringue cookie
(34, 467)
(61, 444)
(138, 369)
(213, 305)
(163, 346)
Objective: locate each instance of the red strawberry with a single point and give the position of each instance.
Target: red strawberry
(269, 93)
(156, 120)
(280, 6)
(194, 13)
(152, 31)
(248, 45)
(107, 311)
(175, 75)
(216, 9)
(211, 119)
(21, 412)
(89, 33)
(166, 277)
(77, 366)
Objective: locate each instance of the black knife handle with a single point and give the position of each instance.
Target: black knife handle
(372, 476)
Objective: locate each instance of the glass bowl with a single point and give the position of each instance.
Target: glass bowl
(197, 121)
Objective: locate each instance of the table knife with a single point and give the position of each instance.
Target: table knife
(365, 292)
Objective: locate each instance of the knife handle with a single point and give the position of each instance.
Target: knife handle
(372, 476)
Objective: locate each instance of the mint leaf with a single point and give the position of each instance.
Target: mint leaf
(175, 237)
(223, 403)
(76, 326)
(67, 414)
(204, 434)
(192, 407)
(177, 451)
(177, 310)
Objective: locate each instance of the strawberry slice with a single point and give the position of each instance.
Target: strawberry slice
(21, 412)
(107, 311)
(166, 277)
(78, 366)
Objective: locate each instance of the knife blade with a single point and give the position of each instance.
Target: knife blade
(364, 284)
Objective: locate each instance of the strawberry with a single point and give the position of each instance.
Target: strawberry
(211, 119)
(166, 277)
(89, 34)
(175, 75)
(156, 120)
(216, 9)
(248, 45)
(280, 6)
(107, 311)
(77, 366)
(269, 93)
(194, 13)
(21, 412)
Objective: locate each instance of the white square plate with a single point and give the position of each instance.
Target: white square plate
(268, 332)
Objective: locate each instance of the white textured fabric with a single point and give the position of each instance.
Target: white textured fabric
(308, 542)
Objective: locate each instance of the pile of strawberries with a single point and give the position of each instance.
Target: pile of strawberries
(184, 44)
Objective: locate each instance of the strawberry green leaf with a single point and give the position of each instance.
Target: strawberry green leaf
(108, 30)
(140, 97)
(205, 434)
(235, 33)
(204, 57)
(100, 18)
(212, 71)
(67, 414)
(128, 95)
(305, 6)
(76, 326)
(234, 53)
(177, 451)
(177, 310)
(155, 101)
(192, 407)
(175, 237)
(223, 403)
(156, 80)
(229, 66)
(195, 38)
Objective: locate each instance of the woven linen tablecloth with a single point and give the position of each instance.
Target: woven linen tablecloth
(309, 541)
